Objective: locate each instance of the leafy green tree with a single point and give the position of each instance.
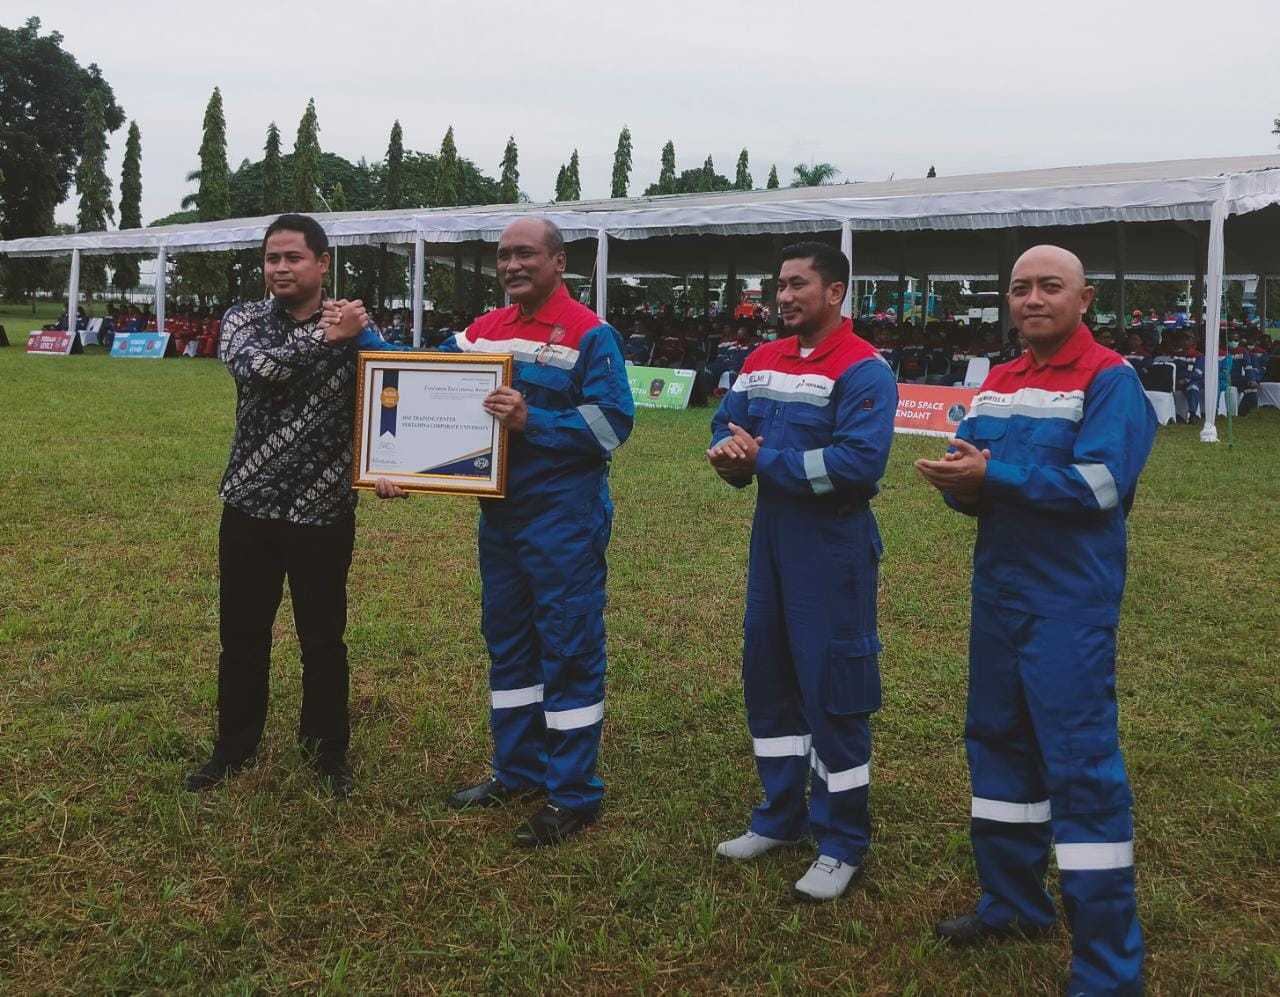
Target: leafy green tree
(126, 264)
(707, 181)
(214, 199)
(667, 172)
(44, 95)
(815, 175)
(94, 188)
(772, 182)
(306, 160)
(622, 164)
(393, 188)
(573, 179)
(932, 174)
(560, 183)
(742, 181)
(509, 182)
(1276, 127)
(448, 179)
(273, 199)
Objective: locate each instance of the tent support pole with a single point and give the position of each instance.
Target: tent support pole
(459, 301)
(477, 291)
(1213, 315)
(73, 293)
(161, 286)
(1197, 282)
(1122, 301)
(1008, 249)
(419, 260)
(1262, 301)
(602, 274)
(924, 301)
(731, 284)
(846, 247)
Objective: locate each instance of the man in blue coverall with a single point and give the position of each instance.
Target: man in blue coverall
(811, 419)
(542, 548)
(1048, 461)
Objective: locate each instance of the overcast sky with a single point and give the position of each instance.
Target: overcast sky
(873, 88)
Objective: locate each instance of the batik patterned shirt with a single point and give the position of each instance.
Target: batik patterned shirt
(295, 394)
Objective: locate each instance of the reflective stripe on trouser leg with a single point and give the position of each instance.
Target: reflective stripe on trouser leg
(515, 674)
(780, 734)
(1068, 671)
(1010, 808)
(838, 802)
(564, 550)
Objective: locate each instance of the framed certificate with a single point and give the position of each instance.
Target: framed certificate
(420, 422)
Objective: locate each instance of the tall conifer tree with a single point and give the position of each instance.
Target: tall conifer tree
(306, 160)
(622, 164)
(448, 190)
(126, 265)
(509, 182)
(743, 179)
(273, 198)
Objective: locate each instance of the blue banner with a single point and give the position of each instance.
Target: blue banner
(143, 345)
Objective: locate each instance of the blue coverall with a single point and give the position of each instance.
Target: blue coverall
(810, 671)
(1068, 440)
(542, 548)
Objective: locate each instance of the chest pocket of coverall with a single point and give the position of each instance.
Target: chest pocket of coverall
(988, 433)
(545, 386)
(1052, 444)
(760, 413)
(809, 426)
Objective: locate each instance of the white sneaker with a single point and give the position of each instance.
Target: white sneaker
(826, 879)
(749, 846)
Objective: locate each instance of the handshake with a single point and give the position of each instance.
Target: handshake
(342, 320)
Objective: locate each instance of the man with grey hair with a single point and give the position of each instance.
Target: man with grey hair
(542, 548)
(1048, 462)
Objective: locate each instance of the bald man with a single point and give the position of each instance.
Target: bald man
(1048, 461)
(542, 548)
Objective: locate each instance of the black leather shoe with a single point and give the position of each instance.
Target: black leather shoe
(336, 773)
(552, 824)
(490, 793)
(969, 929)
(212, 773)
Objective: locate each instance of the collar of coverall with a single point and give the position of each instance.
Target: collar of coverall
(550, 311)
(792, 348)
(1070, 351)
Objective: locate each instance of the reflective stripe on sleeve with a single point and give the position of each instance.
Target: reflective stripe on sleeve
(600, 427)
(839, 782)
(584, 716)
(506, 699)
(1101, 483)
(1010, 813)
(782, 747)
(1091, 856)
(815, 469)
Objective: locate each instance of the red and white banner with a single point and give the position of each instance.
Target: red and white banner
(931, 410)
(56, 342)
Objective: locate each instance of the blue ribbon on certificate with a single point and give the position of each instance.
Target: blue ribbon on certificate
(390, 401)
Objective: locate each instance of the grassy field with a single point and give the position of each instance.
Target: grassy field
(114, 879)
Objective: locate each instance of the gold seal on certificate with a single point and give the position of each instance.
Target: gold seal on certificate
(421, 423)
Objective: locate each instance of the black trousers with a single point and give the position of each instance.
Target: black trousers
(254, 558)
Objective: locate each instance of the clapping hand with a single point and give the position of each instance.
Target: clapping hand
(960, 473)
(734, 457)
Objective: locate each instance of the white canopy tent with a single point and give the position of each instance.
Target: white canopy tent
(1203, 216)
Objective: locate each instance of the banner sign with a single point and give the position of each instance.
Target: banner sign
(55, 342)
(145, 345)
(660, 387)
(931, 410)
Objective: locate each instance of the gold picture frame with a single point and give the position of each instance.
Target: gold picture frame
(418, 422)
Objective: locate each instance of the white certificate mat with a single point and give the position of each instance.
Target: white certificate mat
(421, 424)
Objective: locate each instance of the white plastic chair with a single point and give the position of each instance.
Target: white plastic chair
(975, 373)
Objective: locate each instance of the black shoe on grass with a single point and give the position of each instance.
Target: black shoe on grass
(970, 929)
(552, 824)
(489, 793)
(336, 773)
(212, 773)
